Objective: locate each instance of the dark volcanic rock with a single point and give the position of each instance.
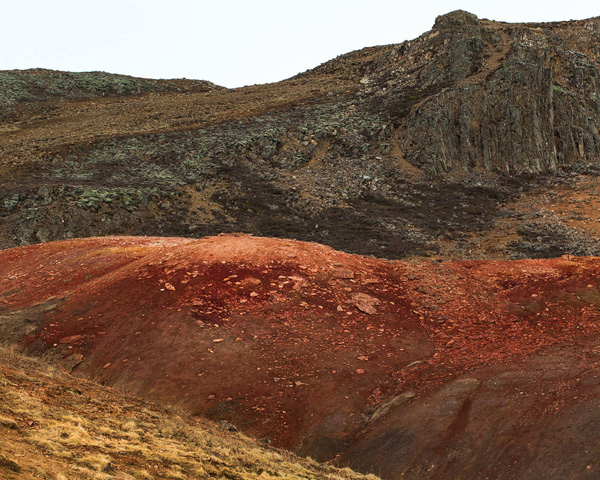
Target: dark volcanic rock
(487, 425)
(383, 151)
(504, 97)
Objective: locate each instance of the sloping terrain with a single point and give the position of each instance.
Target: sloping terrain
(436, 370)
(24, 91)
(57, 427)
(408, 150)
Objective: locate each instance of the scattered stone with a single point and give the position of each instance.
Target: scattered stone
(395, 401)
(228, 426)
(415, 363)
(299, 282)
(365, 303)
(169, 286)
(250, 282)
(342, 273)
(70, 339)
(218, 340)
(70, 362)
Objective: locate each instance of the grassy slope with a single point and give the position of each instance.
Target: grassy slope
(53, 426)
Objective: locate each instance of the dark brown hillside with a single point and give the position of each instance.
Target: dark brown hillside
(429, 148)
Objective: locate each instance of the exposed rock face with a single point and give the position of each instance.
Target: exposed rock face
(480, 426)
(506, 97)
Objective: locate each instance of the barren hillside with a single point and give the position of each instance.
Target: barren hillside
(57, 427)
(437, 147)
(427, 370)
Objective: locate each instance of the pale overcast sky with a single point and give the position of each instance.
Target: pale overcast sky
(229, 42)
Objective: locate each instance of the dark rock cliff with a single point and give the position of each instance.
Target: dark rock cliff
(512, 98)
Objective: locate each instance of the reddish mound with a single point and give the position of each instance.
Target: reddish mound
(300, 343)
(265, 333)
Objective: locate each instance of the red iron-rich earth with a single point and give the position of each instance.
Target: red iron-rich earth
(466, 369)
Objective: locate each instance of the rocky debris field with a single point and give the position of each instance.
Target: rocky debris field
(389, 367)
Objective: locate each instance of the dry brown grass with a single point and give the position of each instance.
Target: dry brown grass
(56, 427)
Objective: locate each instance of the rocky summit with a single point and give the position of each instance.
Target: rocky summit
(471, 141)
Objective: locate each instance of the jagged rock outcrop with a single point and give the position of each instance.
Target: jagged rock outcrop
(503, 97)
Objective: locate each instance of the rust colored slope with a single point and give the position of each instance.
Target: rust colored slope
(288, 340)
(56, 426)
(257, 331)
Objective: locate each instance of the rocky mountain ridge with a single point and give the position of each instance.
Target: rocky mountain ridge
(420, 149)
(42, 86)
